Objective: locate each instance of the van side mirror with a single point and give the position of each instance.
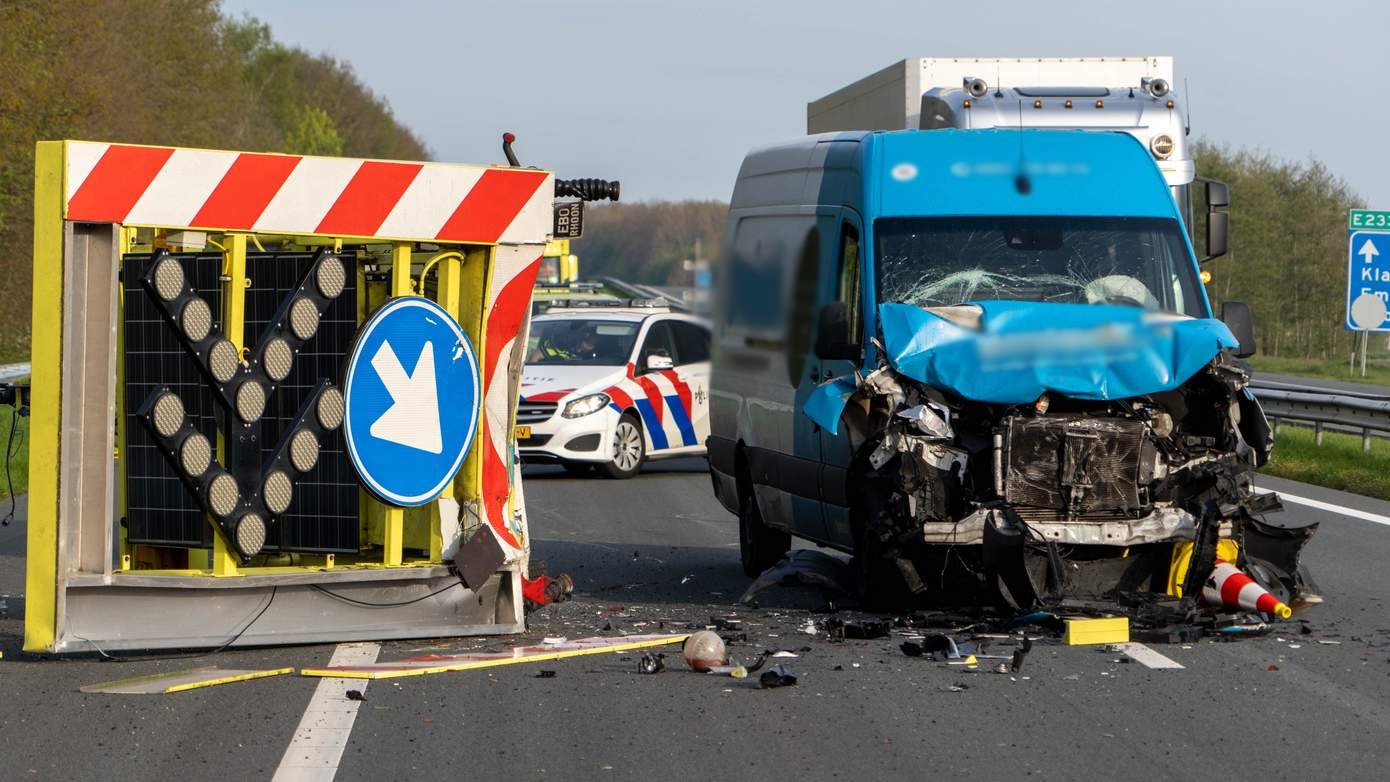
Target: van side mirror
(1218, 223)
(1236, 315)
(832, 334)
(658, 361)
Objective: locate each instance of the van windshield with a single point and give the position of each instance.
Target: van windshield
(1129, 261)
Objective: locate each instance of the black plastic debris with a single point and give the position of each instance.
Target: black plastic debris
(355, 695)
(651, 663)
(758, 663)
(936, 646)
(864, 630)
(810, 568)
(1022, 651)
(545, 675)
(729, 623)
(777, 676)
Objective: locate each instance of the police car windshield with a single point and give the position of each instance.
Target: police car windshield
(1129, 261)
(581, 342)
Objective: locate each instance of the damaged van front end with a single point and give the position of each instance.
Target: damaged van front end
(1036, 452)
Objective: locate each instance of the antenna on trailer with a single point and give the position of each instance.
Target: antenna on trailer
(1021, 182)
(1187, 99)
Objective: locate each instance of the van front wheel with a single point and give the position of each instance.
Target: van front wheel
(759, 546)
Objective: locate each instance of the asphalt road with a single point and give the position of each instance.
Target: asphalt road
(657, 551)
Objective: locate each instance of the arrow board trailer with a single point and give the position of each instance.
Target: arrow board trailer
(307, 370)
(1368, 280)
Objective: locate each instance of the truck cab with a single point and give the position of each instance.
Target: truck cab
(932, 340)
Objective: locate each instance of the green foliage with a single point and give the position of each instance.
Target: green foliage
(314, 133)
(167, 72)
(1339, 463)
(1288, 249)
(648, 242)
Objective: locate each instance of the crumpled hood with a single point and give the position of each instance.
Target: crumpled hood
(1022, 349)
(551, 383)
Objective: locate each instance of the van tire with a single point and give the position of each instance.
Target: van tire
(759, 546)
(627, 435)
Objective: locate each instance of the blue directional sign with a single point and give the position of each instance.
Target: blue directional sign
(1368, 281)
(412, 397)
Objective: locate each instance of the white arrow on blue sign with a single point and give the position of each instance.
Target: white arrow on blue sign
(1368, 281)
(411, 395)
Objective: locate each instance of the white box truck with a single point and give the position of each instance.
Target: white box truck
(1130, 94)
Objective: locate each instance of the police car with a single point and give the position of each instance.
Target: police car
(613, 385)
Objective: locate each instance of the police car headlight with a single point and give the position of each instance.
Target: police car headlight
(585, 405)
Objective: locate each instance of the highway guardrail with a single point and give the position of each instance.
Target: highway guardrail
(1348, 411)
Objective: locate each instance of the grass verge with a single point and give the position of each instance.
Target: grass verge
(18, 462)
(1376, 373)
(1339, 463)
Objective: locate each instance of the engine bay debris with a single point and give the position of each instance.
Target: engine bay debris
(1023, 455)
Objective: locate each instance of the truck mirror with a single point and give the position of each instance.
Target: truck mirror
(1237, 317)
(1218, 234)
(1218, 194)
(832, 334)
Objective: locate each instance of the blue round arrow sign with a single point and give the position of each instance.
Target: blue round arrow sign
(412, 396)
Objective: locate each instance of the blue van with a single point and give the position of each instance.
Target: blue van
(988, 342)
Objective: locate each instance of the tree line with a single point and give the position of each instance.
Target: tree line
(1287, 256)
(161, 72)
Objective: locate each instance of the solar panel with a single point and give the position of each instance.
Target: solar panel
(323, 513)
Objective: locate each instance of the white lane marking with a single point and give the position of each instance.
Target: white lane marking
(1374, 518)
(323, 732)
(1143, 654)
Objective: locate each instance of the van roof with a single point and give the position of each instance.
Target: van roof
(960, 173)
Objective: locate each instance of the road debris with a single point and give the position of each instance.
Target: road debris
(651, 663)
(777, 676)
(703, 650)
(355, 695)
(862, 630)
(806, 567)
(445, 663)
(545, 675)
(180, 681)
(734, 671)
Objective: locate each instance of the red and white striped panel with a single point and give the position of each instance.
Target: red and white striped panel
(292, 194)
(508, 317)
(656, 388)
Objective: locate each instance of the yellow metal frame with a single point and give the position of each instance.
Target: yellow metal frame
(45, 405)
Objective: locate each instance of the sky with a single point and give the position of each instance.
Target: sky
(669, 96)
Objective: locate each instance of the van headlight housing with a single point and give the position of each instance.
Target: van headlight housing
(585, 405)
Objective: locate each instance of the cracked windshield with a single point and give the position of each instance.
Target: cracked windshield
(1134, 262)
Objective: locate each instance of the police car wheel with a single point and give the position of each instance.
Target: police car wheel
(629, 449)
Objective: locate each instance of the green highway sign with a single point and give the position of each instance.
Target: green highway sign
(1368, 218)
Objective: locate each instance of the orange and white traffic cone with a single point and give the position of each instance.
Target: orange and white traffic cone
(1228, 586)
